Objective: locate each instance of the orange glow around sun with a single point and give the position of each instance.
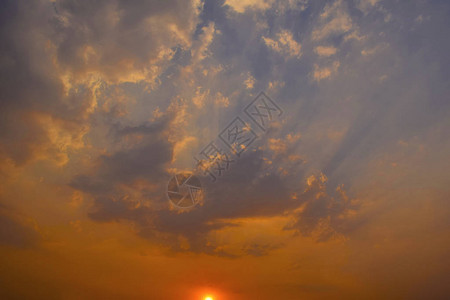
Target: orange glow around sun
(206, 293)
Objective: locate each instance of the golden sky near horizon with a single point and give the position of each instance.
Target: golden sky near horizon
(339, 188)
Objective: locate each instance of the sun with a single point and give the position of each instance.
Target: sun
(208, 298)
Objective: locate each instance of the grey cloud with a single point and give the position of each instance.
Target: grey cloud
(30, 84)
(248, 190)
(324, 216)
(15, 231)
(146, 160)
(118, 31)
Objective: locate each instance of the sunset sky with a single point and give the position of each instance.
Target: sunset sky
(343, 192)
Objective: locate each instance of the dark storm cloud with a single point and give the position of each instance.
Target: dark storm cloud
(250, 189)
(244, 192)
(146, 160)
